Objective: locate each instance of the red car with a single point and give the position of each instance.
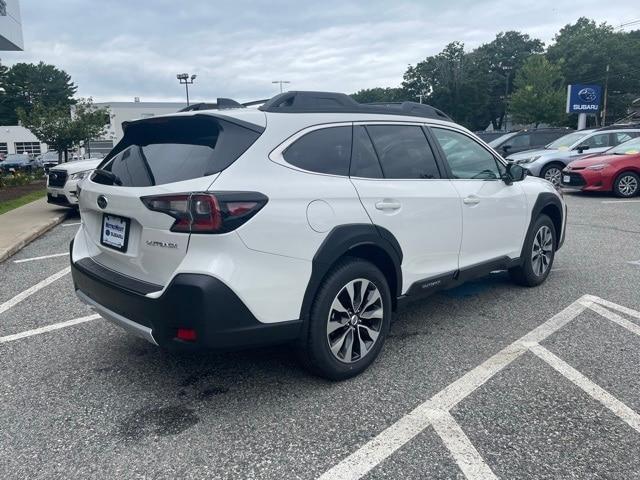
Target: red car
(616, 170)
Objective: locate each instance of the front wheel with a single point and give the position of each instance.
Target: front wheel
(626, 185)
(552, 173)
(349, 320)
(538, 254)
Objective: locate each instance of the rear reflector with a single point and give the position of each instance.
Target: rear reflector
(186, 334)
(203, 212)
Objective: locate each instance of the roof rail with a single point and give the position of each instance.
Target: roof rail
(620, 126)
(329, 102)
(222, 104)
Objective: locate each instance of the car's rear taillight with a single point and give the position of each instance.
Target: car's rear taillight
(201, 212)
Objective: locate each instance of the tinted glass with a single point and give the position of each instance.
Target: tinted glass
(566, 141)
(622, 137)
(597, 141)
(542, 138)
(327, 150)
(403, 151)
(501, 139)
(466, 158)
(364, 161)
(519, 141)
(167, 150)
(632, 147)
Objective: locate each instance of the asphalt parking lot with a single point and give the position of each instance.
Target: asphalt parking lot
(488, 380)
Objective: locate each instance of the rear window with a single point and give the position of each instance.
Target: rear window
(326, 150)
(167, 150)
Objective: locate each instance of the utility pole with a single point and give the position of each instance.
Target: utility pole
(186, 80)
(606, 92)
(281, 82)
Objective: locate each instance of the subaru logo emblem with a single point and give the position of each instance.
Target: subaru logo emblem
(587, 95)
(102, 202)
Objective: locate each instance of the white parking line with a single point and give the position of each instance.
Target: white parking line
(615, 318)
(376, 450)
(31, 290)
(463, 451)
(635, 262)
(598, 393)
(614, 306)
(71, 224)
(44, 257)
(621, 201)
(48, 328)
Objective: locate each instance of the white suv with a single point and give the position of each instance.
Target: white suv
(309, 220)
(63, 180)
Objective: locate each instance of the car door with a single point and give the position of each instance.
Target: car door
(394, 170)
(596, 143)
(494, 215)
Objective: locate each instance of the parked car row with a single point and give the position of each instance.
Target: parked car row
(549, 162)
(616, 170)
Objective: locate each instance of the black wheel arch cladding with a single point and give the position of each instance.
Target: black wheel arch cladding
(371, 242)
(548, 204)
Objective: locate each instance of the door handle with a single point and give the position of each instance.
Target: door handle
(388, 205)
(471, 200)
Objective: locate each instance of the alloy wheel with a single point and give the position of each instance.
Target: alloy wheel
(542, 250)
(553, 175)
(628, 185)
(355, 320)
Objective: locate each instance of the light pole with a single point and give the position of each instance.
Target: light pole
(186, 80)
(281, 82)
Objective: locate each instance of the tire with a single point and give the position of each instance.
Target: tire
(335, 319)
(552, 173)
(626, 185)
(538, 254)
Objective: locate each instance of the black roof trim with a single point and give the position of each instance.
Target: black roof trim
(330, 102)
(221, 104)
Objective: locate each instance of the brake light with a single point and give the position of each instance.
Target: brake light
(201, 212)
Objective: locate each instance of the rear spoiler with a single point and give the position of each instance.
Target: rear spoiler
(125, 142)
(221, 104)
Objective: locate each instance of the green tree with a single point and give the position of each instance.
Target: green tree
(60, 129)
(27, 85)
(584, 49)
(452, 82)
(540, 95)
(501, 59)
(379, 94)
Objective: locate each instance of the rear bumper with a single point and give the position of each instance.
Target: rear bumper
(192, 301)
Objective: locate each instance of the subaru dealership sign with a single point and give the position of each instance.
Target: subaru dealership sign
(583, 98)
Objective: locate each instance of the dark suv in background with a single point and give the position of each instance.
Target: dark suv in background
(528, 139)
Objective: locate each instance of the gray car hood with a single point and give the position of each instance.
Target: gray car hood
(544, 152)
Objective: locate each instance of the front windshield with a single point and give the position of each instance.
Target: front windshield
(494, 143)
(630, 147)
(565, 142)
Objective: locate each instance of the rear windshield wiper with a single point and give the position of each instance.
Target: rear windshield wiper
(106, 177)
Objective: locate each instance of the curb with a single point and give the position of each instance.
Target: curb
(15, 248)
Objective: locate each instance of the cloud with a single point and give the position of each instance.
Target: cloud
(120, 49)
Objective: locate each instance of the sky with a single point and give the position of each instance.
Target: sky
(116, 50)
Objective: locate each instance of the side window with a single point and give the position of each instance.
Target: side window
(544, 138)
(622, 137)
(519, 141)
(597, 141)
(364, 161)
(327, 150)
(403, 151)
(466, 158)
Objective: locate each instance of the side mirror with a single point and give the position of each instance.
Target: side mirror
(514, 173)
(582, 148)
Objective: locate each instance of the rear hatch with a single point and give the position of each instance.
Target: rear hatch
(160, 156)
